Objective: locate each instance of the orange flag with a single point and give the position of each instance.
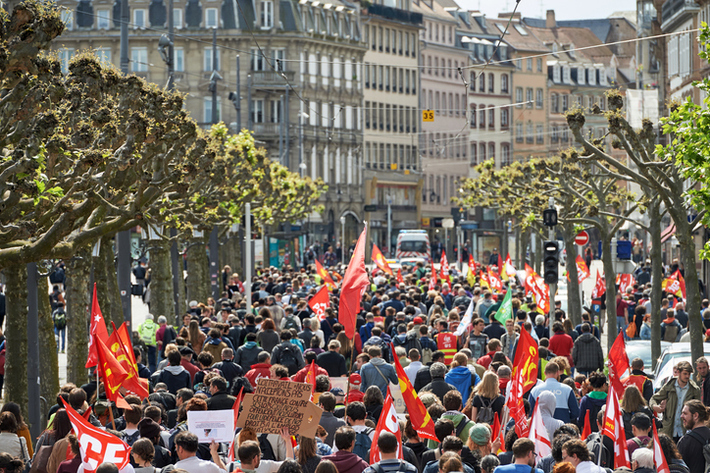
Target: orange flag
(494, 281)
(525, 360)
(111, 370)
(352, 287)
(133, 382)
(380, 260)
(444, 267)
(432, 278)
(96, 330)
(587, 431)
(421, 420)
(582, 269)
(325, 276)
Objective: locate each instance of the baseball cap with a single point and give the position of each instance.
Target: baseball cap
(355, 379)
(418, 321)
(337, 392)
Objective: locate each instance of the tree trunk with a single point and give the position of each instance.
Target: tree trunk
(101, 275)
(684, 233)
(16, 335)
(656, 280)
(78, 296)
(574, 303)
(161, 282)
(113, 293)
(48, 359)
(610, 279)
(178, 277)
(198, 281)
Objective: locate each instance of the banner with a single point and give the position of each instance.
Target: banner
(320, 302)
(388, 422)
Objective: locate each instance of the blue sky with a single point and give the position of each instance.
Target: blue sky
(564, 9)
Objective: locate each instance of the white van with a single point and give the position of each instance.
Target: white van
(413, 244)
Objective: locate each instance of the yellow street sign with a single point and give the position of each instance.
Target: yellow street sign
(427, 115)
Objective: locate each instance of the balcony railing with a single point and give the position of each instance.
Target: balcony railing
(271, 78)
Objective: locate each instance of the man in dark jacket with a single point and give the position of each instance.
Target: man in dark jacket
(287, 354)
(220, 400)
(248, 353)
(332, 361)
(437, 385)
(694, 417)
(329, 422)
(306, 334)
(228, 367)
(423, 376)
(587, 352)
(174, 376)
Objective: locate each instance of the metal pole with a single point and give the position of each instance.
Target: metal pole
(125, 18)
(238, 106)
(123, 245)
(213, 83)
(281, 129)
(177, 275)
(300, 144)
(247, 255)
(214, 263)
(285, 118)
(342, 240)
(171, 47)
(33, 350)
(249, 104)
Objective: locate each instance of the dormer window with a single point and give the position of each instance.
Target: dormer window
(566, 78)
(591, 76)
(556, 74)
(267, 14)
(211, 18)
(602, 77)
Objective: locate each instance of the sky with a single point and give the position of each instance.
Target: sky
(564, 9)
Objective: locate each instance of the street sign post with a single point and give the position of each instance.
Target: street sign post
(582, 238)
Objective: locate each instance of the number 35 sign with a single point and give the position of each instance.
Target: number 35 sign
(427, 115)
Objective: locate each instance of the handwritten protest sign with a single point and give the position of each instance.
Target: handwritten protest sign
(276, 404)
(211, 425)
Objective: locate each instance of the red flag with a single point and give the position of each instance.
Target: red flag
(325, 276)
(582, 270)
(614, 429)
(538, 434)
(587, 431)
(320, 302)
(352, 287)
(235, 408)
(418, 414)
(515, 404)
(380, 260)
(485, 282)
(495, 430)
(133, 382)
(400, 279)
(525, 360)
(599, 287)
(97, 329)
(432, 278)
(624, 281)
(679, 277)
(658, 457)
(388, 422)
(125, 336)
(618, 363)
(96, 445)
(311, 376)
(494, 281)
(444, 267)
(111, 370)
(471, 264)
(508, 268)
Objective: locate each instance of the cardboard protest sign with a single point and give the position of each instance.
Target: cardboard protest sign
(211, 425)
(276, 404)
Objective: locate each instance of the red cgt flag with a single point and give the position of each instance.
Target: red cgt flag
(599, 287)
(352, 286)
(97, 329)
(494, 281)
(111, 370)
(323, 273)
(418, 414)
(432, 278)
(96, 445)
(388, 422)
(400, 279)
(320, 302)
(444, 267)
(614, 429)
(658, 457)
(618, 363)
(582, 270)
(380, 261)
(133, 382)
(525, 360)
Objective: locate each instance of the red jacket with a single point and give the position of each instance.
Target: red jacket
(355, 395)
(259, 370)
(192, 369)
(300, 377)
(561, 344)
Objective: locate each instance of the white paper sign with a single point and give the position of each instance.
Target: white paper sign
(211, 425)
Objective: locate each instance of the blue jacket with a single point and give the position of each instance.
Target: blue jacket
(366, 331)
(567, 409)
(462, 378)
(371, 377)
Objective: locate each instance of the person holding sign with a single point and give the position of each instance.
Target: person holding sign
(249, 455)
(186, 444)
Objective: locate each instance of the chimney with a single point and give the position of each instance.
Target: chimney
(550, 19)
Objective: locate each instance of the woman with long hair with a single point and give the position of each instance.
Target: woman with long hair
(22, 429)
(632, 402)
(306, 455)
(61, 427)
(346, 347)
(326, 466)
(373, 401)
(142, 453)
(9, 440)
(569, 329)
(267, 336)
(672, 455)
(195, 336)
(486, 394)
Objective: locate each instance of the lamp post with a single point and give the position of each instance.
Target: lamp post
(301, 164)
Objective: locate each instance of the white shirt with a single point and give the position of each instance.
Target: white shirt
(194, 464)
(412, 369)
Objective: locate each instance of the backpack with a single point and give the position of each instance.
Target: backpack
(706, 449)
(131, 439)
(363, 444)
(288, 359)
(60, 319)
(412, 342)
(426, 351)
(485, 413)
(290, 323)
(671, 333)
(267, 452)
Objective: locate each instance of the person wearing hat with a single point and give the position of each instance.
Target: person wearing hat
(186, 355)
(670, 327)
(479, 440)
(339, 398)
(355, 395)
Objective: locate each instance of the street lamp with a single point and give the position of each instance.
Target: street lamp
(301, 164)
(342, 239)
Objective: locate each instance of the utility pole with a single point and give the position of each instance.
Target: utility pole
(281, 129)
(213, 79)
(247, 255)
(249, 104)
(238, 104)
(123, 239)
(285, 118)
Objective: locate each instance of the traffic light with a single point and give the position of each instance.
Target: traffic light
(550, 262)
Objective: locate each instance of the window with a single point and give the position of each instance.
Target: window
(267, 14)
(473, 116)
(451, 104)
(566, 77)
(367, 115)
(556, 74)
(207, 66)
(103, 19)
(474, 153)
(504, 84)
(491, 117)
(540, 134)
(482, 83)
(257, 111)
(68, 19)
(518, 63)
(65, 55)
(528, 64)
(275, 114)
(504, 118)
(207, 109)
(482, 116)
(565, 135)
(518, 132)
(580, 75)
(179, 59)
(539, 64)
(177, 18)
(592, 75)
(529, 138)
(504, 154)
(367, 76)
(278, 56)
(211, 18)
(529, 97)
(538, 98)
(565, 103)
(554, 135)
(491, 83)
(139, 17)
(482, 152)
(492, 151)
(555, 103)
(257, 60)
(139, 59)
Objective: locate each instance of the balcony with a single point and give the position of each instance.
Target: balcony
(263, 130)
(675, 12)
(268, 79)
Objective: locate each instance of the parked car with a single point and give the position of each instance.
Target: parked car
(642, 349)
(672, 355)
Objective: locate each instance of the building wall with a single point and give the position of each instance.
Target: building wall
(530, 118)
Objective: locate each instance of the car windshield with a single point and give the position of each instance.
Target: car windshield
(417, 246)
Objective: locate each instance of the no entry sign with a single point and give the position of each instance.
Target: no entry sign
(582, 238)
